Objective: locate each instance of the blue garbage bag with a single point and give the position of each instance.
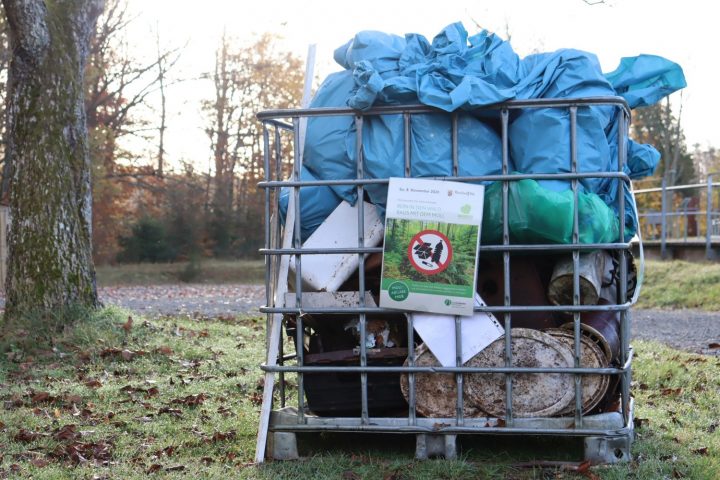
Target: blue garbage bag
(479, 148)
(325, 138)
(317, 202)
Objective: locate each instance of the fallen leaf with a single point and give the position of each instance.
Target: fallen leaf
(164, 350)
(40, 397)
(72, 399)
(2, 426)
(154, 468)
(671, 391)
(26, 436)
(109, 352)
(714, 345)
(127, 355)
(93, 383)
(256, 398)
(640, 422)
(152, 392)
(67, 432)
(700, 451)
(39, 462)
(172, 411)
(220, 436)
(175, 468)
(191, 400)
(207, 460)
(127, 326)
(79, 452)
(677, 473)
(350, 475)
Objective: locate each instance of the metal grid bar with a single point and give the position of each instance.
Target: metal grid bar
(487, 248)
(504, 115)
(417, 109)
(576, 268)
(361, 271)
(297, 243)
(498, 309)
(623, 120)
(412, 406)
(463, 178)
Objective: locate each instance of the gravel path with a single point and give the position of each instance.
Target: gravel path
(187, 299)
(691, 330)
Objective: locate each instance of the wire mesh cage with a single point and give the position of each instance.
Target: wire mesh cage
(362, 368)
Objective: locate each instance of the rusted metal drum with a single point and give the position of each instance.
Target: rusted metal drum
(534, 395)
(603, 328)
(435, 393)
(594, 387)
(528, 286)
(591, 267)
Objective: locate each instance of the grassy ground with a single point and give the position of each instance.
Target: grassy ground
(179, 398)
(679, 284)
(205, 271)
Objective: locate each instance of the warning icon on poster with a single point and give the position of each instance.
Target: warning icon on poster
(430, 252)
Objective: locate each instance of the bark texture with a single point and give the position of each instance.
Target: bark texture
(50, 260)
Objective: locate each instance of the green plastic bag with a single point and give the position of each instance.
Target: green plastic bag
(537, 215)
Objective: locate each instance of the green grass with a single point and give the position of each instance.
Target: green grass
(211, 271)
(678, 284)
(179, 398)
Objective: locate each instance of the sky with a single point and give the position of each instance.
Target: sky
(685, 32)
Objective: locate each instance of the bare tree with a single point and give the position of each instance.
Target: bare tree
(50, 264)
(246, 80)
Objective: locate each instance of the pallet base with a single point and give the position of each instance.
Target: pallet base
(606, 438)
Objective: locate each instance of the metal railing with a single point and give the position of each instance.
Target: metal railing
(681, 214)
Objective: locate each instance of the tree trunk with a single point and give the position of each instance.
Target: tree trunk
(50, 261)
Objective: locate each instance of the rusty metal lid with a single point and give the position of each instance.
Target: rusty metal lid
(592, 334)
(435, 393)
(534, 395)
(594, 387)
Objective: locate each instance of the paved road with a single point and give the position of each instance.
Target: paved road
(691, 330)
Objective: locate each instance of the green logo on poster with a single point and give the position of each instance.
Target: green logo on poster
(447, 302)
(398, 291)
(465, 209)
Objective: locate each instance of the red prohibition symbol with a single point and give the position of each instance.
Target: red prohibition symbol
(430, 252)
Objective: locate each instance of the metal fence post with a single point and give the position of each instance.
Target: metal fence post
(663, 220)
(708, 220)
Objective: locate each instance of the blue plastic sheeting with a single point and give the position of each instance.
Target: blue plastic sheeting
(457, 72)
(316, 204)
(645, 79)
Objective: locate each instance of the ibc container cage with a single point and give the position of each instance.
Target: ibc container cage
(353, 388)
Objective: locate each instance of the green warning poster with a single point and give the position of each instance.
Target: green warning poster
(432, 235)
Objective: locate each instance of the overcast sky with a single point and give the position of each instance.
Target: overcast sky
(685, 32)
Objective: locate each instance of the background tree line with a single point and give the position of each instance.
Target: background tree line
(145, 208)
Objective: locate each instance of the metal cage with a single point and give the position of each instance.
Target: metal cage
(607, 436)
